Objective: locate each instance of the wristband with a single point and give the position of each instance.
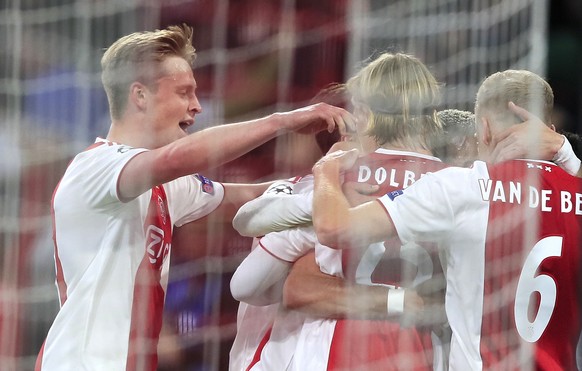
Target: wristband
(395, 301)
(566, 158)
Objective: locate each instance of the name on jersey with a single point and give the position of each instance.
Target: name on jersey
(380, 175)
(513, 192)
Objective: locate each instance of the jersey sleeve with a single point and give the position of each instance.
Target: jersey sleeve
(96, 171)
(435, 204)
(260, 277)
(290, 244)
(273, 212)
(193, 197)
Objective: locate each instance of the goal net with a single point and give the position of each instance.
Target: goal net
(254, 57)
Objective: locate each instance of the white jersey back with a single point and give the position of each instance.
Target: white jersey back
(512, 236)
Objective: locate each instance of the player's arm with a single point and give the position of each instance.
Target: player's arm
(275, 210)
(217, 145)
(336, 224)
(518, 141)
(259, 278)
(309, 290)
(191, 240)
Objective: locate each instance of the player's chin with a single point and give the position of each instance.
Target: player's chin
(182, 133)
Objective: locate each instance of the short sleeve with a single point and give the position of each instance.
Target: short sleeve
(96, 172)
(432, 207)
(192, 197)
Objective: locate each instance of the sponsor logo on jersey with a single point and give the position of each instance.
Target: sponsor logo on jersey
(392, 195)
(162, 209)
(207, 186)
(157, 249)
(123, 149)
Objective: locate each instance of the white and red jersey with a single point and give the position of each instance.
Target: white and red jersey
(111, 261)
(512, 237)
(345, 344)
(385, 344)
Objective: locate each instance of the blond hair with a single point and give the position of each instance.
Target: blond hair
(524, 88)
(137, 57)
(401, 95)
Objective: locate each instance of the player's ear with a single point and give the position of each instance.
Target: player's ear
(485, 131)
(553, 127)
(137, 95)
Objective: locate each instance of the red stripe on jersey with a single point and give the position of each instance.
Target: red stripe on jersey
(61, 284)
(148, 294)
(38, 364)
(257, 355)
(532, 268)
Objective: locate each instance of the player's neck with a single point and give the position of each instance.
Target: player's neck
(407, 147)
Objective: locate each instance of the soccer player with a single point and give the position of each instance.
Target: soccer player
(511, 233)
(115, 208)
(399, 116)
(459, 146)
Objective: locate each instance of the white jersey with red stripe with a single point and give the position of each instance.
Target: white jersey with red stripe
(512, 237)
(278, 351)
(326, 344)
(111, 261)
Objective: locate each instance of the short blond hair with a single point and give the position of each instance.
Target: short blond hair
(137, 57)
(522, 87)
(402, 95)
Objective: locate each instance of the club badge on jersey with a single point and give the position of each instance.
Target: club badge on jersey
(207, 186)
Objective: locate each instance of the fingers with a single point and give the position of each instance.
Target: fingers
(342, 159)
(521, 112)
(510, 147)
(361, 188)
(343, 145)
(343, 120)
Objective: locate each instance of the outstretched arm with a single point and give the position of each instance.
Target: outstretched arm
(309, 290)
(215, 146)
(336, 224)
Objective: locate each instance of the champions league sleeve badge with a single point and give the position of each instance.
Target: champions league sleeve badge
(392, 195)
(207, 186)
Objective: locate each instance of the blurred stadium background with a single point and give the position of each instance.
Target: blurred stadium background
(254, 57)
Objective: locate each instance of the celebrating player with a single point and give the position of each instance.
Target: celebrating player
(118, 201)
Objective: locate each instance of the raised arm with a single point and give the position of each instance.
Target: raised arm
(518, 141)
(336, 224)
(220, 144)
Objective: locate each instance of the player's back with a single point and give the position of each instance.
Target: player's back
(392, 171)
(533, 269)
(360, 344)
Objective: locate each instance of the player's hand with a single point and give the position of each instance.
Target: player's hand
(318, 117)
(519, 141)
(338, 160)
(344, 145)
(359, 193)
